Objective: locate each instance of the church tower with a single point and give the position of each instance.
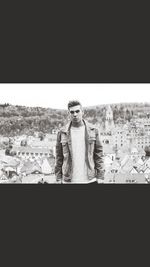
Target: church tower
(109, 123)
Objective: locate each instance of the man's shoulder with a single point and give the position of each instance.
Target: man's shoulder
(89, 125)
(64, 128)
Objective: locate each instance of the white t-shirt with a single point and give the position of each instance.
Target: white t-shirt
(79, 166)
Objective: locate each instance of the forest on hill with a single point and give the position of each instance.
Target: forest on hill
(18, 120)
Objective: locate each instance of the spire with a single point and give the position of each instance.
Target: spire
(109, 124)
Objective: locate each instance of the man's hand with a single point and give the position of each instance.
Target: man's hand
(58, 182)
(100, 181)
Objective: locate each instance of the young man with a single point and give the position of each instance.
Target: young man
(79, 154)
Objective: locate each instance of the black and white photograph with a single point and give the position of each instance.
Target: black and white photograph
(74, 133)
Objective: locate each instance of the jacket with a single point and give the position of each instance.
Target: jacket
(94, 153)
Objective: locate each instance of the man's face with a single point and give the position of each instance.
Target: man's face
(76, 114)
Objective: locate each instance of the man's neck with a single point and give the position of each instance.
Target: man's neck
(77, 124)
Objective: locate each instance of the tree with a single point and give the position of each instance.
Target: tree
(127, 115)
(41, 136)
(121, 111)
(13, 153)
(23, 142)
(7, 151)
(115, 113)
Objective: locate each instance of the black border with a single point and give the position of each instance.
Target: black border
(102, 54)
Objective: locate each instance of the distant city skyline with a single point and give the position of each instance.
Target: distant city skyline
(58, 95)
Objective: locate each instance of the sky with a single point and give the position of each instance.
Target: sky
(57, 95)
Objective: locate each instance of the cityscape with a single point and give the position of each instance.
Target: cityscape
(126, 146)
(28, 155)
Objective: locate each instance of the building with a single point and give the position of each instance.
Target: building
(109, 123)
(120, 137)
(141, 141)
(32, 152)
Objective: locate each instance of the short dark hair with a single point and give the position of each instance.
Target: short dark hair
(73, 103)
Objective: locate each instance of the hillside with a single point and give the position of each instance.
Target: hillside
(18, 120)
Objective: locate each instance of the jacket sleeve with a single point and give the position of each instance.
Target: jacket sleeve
(59, 158)
(99, 157)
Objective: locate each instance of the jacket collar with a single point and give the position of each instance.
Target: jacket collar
(66, 128)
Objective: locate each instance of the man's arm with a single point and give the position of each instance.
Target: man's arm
(99, 158)
(59, 159)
